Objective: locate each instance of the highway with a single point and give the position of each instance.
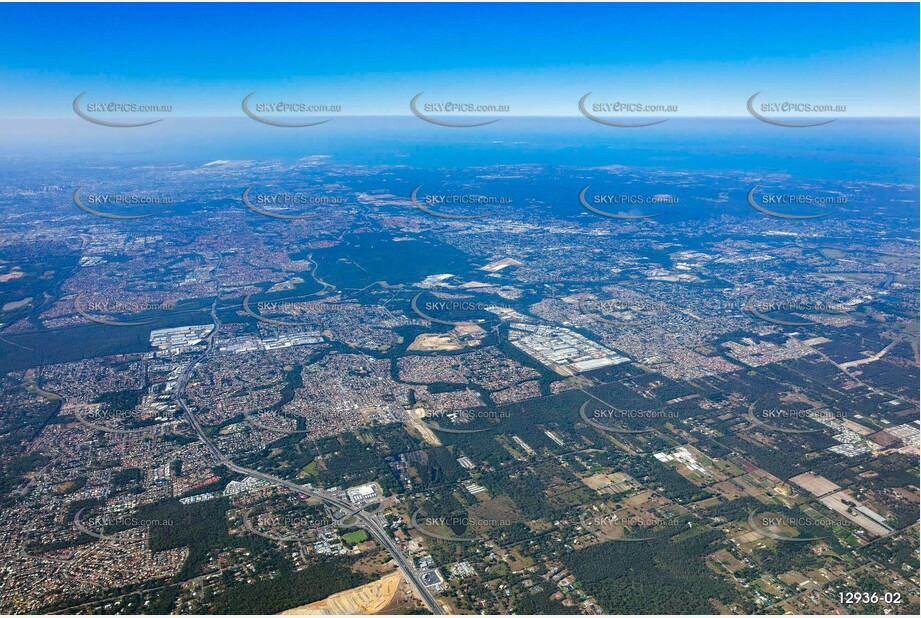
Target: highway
(366, 522)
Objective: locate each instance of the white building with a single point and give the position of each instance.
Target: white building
(362, 493)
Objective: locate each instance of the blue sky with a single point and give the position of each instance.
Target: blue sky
(539, 59)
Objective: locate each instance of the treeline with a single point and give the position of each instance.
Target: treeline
(780, 462)
(438, 467)
(120, 400)
(203, 528)
(293, 381)
(651, 577)
(289, 589)
(675, 486)
(525, 488)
